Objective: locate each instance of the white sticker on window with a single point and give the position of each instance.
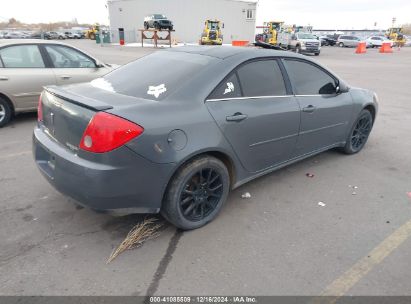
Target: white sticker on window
(230, 88)
(156, 91)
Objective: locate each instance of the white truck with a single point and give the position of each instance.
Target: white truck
(300, 42)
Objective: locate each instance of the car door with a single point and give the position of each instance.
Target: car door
(324, 112)
(23, 74)
(71, 65)
(257, 114)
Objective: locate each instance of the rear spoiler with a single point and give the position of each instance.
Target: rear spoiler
(89, 103)
(269, 46)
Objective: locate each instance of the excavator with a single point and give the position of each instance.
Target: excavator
(395, 34)
(212, 32)
(92, 31)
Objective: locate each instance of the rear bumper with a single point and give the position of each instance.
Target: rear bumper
(120, 181)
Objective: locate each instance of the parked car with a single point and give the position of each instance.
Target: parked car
(14, 35)
(350, 41)
(158, 21)
(69, 35)
(328, 40)
(178, 141)
(78, 34)
(37, 35)
(28, 65)
(51, 35)
(377, 41)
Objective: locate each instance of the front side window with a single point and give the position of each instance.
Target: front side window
(308, 79)
(22, 56)
(261, 78)
(65, 57)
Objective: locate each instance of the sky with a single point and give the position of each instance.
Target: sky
(321, 14)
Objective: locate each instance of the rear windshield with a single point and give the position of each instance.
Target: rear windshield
(155, 76)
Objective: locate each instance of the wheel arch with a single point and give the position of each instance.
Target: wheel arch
(224, 157)
(372, 110)
(8, 100)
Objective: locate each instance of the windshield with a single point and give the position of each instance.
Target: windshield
(155, 76)
(158, 16)
(305, 36)
(212, 25)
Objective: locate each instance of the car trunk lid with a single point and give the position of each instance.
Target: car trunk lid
(67, 111)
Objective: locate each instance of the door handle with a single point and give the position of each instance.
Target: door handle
(236, 117)
(4, 78)
(65, 76)
(309, 109)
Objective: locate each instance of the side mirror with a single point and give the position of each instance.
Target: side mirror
(99, 64)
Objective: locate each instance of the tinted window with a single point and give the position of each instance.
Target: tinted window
(229, 88)
(309, 79)
(64, 57)
(261, 78)
(22, 56)
(155, 76)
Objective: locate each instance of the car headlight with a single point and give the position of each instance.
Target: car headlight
(302, 43)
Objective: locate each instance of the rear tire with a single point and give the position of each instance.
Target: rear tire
(196, 193)
(5, 112)
(359, 133)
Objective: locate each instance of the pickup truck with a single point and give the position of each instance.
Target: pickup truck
(300, 42)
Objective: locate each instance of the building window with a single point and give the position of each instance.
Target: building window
(250, 14)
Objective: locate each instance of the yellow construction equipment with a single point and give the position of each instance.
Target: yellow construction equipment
(92, 31)
(212, 32)
(271, 30)
(395, 34)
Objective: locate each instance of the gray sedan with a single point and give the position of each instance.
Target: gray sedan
(28, 65)
(175, 131)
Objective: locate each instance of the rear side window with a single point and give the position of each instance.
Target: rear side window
(261, 78)
(308, 79)
(230, 88)
(22, 56)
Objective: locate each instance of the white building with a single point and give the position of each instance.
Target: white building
(188, 17)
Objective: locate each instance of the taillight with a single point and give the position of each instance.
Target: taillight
(106, 132)
(40, 109)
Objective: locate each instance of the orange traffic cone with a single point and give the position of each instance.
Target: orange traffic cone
(386, 47)
(361, 48)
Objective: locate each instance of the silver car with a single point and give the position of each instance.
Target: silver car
(28, 65)
(348, 41)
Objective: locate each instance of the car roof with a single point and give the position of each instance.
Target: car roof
(5, 42)
(223, 52)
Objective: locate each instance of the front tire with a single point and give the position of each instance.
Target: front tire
(341, 44)
(5, 112)
(196, 193)
(359, 133)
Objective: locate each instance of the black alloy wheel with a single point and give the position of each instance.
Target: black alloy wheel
(201, 194)
(196, 193)
(359, 133)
